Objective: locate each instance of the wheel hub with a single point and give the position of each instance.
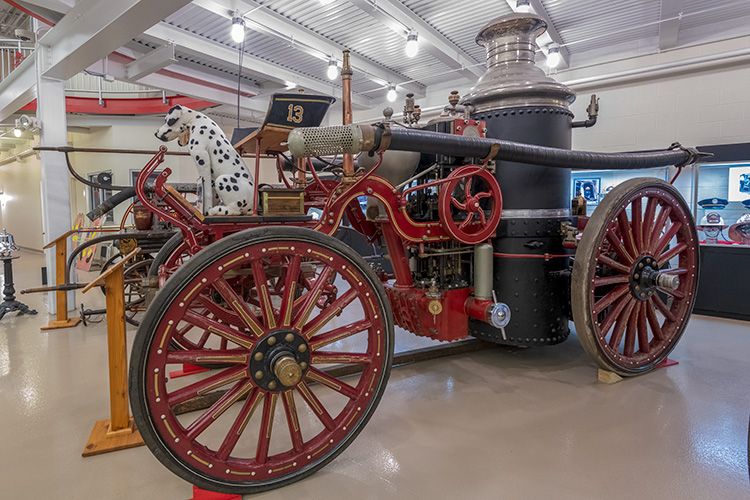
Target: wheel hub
(645, 278)
(280, 360)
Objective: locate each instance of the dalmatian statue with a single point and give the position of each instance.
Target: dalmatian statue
(214, 157)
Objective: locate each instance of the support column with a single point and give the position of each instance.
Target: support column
(56, 218)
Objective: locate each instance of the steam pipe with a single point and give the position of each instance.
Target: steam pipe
(346, 104)
(353, 139)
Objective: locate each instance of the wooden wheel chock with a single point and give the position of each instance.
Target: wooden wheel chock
(118, 432)
(61, 253)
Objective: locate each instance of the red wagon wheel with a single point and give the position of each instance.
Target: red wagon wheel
(635, 276)
(470, 204)
(283, 409)
(173, 254)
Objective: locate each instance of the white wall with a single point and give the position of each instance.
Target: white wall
(695, 107)
(22, 214)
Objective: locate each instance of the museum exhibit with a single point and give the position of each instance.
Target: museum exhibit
(408, 249)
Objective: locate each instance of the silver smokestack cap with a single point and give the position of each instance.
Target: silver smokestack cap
(512, 78)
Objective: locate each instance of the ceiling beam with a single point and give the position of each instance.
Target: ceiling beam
(266, 21)
(669, 28)
(394, 15)
(94, 28)
(151, 62)
(185, 80)
(200, 47)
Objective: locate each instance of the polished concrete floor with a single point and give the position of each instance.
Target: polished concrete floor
(501, 423)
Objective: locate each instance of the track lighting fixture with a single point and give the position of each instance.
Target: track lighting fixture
(554, 58)
(412, 45)
(238, 28)
(333, 70)
(392, 94)
(523, 6)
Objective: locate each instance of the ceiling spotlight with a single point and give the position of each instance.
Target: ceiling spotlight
(523, 6)
(554, 58)
(333, 70)
(412, 45)
(238, 28)
(391, 95)
(26, 123)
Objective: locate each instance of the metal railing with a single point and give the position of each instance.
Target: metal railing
(12, 53)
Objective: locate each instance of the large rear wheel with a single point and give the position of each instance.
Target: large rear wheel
(635, 276)
(279, 407)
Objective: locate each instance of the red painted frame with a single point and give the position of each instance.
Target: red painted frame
(398, 230)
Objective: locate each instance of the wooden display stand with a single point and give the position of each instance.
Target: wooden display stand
(61, 254)
(119, 432)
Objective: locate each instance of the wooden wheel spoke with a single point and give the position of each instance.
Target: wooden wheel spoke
(200, 356)
(676, 271)
(289, 291)
(671, 253)
(637, 223)
(611, 280)
(621, 268)
(310, 299)
(630, 334)
(662, 242)
(648, 221)
(618, 247)
(180, 332)
(323, 357)
(653, 321)
(204, 338)
(622, 321)
(292, 420)
(643, 343)
(317, 407)
(315, 375)
(674, 293)
(626, 233)
(238, 305)
(330, 312)
(209, 306)
(612, 315)
(324, 339)
(663, 308)
(608, 299)
(240, 423)
(220, 329)
(658, 227)
(264, 297)
(225, 377)
(266, 426)
(218, 408)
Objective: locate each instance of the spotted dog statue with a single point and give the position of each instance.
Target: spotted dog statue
(214, 157)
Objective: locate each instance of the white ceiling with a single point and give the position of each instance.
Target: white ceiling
(291, 41)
